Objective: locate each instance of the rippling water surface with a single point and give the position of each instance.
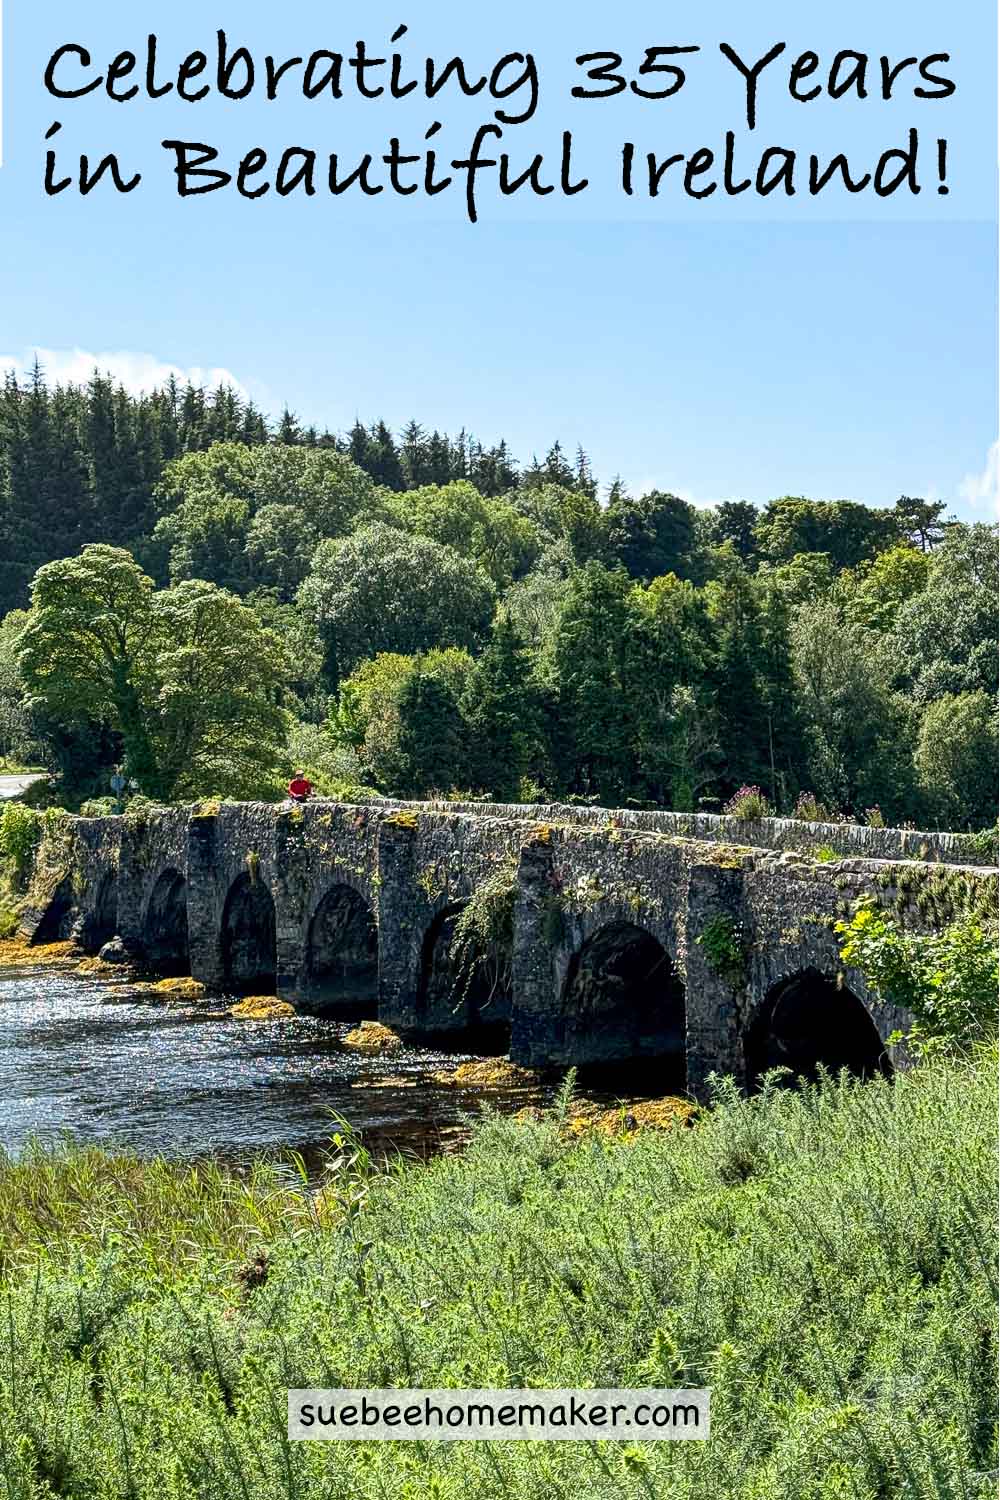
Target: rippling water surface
(76, 1060)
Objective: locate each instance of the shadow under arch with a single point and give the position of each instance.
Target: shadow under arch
(248, 938)
(623, 1010)
(474, 999)
(165, 928)
(341, 961)
(807, 1022)
(57, 917)
(101, 923)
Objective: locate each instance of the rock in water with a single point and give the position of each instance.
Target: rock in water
(182, 989)
(262, 1008)
(370, 1036)
(114, 952)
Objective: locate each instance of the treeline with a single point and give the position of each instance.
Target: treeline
(81, 463)
(415, 614)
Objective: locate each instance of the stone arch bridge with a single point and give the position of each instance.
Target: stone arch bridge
(650, 941)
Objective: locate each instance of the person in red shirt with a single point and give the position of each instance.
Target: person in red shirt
(300, 787)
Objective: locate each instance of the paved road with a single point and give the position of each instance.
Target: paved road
(13, 786)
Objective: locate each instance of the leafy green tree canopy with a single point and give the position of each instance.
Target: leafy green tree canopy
(874, 592)
(187, 677)
(846, 531)
(945, 636)
(956, 760)
(489, 531)
(380, 590)
(652, 536)
(251, 517)
(857, 729)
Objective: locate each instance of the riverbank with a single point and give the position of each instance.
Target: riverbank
(823, 1261)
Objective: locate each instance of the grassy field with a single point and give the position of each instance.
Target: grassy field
(824, 1261)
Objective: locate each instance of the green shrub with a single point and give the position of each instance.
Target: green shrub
(722, 942)
(980, 846)
(809, 809)
(99, 807)
(947, 980)
(748, 804)
(530, 791)
(483, 938)
(20, 832)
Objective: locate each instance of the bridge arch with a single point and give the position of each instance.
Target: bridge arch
(341, 949)
(248, 937)
(451, 997)
(808, 1021)
(622, 1002)
(57, 916)
(165, 924)
(100, 923)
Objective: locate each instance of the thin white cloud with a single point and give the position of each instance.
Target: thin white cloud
(138, 373)
(981, 492)
(698, 501)
(646, 483)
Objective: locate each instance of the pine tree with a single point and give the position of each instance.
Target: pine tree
(70, 479)
(289, 431)
(432, 743)
(438, 458)
(383, 461)
(45, 496)
(459, 458)
(584, 478)
(741, 686)
(357, 444)
(193, 437)
(556, 470)
(500, 712)
(223, 417)
(103, 454)
(589, 655)
(253, 428)
(164, 406)
(415, 457)
(132, 500)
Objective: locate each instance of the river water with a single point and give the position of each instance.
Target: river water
(77, 1059)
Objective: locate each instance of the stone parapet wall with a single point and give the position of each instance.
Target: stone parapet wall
(763, 833)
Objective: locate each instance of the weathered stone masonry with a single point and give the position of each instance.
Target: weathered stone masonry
(630, 943)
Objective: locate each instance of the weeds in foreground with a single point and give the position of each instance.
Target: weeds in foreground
(824, 1260)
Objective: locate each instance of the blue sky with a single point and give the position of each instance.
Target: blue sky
(717, 355)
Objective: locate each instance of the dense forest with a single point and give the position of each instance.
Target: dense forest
(211, 601)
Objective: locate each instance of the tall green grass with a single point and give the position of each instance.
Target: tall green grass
(825, 1261)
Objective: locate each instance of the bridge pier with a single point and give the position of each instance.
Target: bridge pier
(716, 981)
(291, 881)
(204, 916)
(399, 933)
(534, 1034)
